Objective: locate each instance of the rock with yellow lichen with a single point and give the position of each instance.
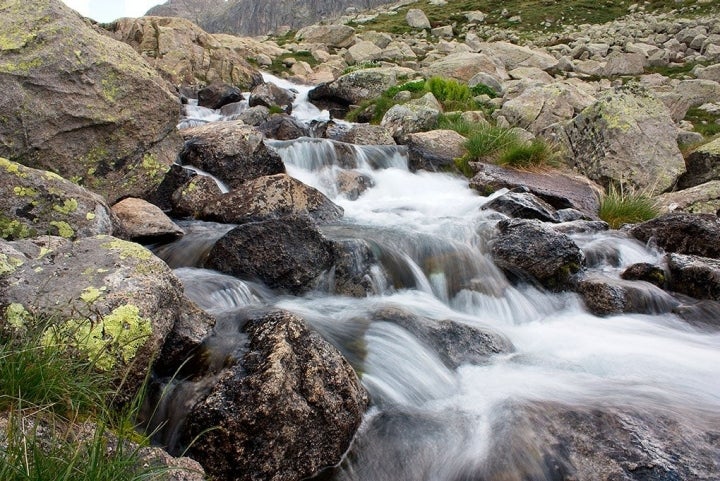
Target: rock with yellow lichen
(109, 300)
(71, 102)
(37, 202)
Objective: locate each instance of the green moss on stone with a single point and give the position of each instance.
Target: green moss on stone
(68, 207)
(64, 229)
(154, 168)
(91, 294)
(21, 191)
(17, 316)
(12, 229)
(9, 264)
(128, 249)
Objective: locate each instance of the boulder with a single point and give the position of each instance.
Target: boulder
(352, 183)
(36, 202)
(531, 250)
(416, 18)
(643, 271)
(701, 199)
(283, 127)
(604, 296)
(536, 108)
(513, 56)
(435, 150)
(695, 234)
(231, 151)
(365, 84)
(270, 95)
(522, 204)
(335, 36)
(218, 95)
(111, 300)
(174, 178)
(559, 189)
(361, 52)
(71, 103)
(271, 197)
(464, 66)
(144, 222)
(625, 138)
(287, 408)
(456, 343)
(360, 134)
(253, 115)
(190, 199)
(711, 72)
(286, 253)
(619, 63)
(184, 53)
(697, 92)
(414, 116)
(702, 165)
(695, 276)
(352, 271)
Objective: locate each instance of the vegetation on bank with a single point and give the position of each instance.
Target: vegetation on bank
(626, 206)
(56, 419)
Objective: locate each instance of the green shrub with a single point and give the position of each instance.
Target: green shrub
(620, 207)
(482, 89)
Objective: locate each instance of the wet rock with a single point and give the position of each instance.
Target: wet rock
(626, 138)
(270, 95)
(254, 115)
(77, 115)
(365, 84)
(352, 274)
(113, 301)
(695, 276)
(522, 204)
(184, 54)
(231, 151)
(283, 127)
(643, 271)
(606, 296)
(271, 197)
(695, 234)
(144, 222)
(456, 343)
(184, 342)
(352, 183)
(559, 189)
(703, 313)
(288, 408)
(287, 253)
(435, 150)
(702, 165)
(174, 178)
(36, 202)
(190, 199)
(217, 95)
(529, 248)
(701, 199)
(337, 36)
(581, 227)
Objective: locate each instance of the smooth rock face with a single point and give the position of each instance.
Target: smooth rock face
(695, 234)
(231, 151)
(288, 408)
(416, 18)
(36, 202)
(287, 253)
(625, 138)
(435, 150)
(72, 103)
(465, 66)
(144, 222)
(528, 247)
(695, 276)
(271, 197)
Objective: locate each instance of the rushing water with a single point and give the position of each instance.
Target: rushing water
(430, 421)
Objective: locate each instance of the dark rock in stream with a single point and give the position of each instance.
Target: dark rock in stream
(695, 276)
(174, 178)
(283, 127)
(190, 199)
(519, 202)
(287, 409)
(643, 271)
(529, 247)
(218, 94)
(604, 296)
(695, 234)
(286, 253)
(270, 95)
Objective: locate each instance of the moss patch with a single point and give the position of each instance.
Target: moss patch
(9, 264)
(17, 316)
(128, 249)
(12, 229)
(64, 229)
(91, 294)
(68, 207)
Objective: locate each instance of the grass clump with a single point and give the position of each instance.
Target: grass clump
(523, 155)
(620, 207)
(703, 121)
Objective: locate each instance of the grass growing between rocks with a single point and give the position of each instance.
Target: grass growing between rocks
(704, 122)
(278, 64)
(620, 207)
(55, 419)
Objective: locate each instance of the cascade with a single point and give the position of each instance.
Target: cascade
(474, 421)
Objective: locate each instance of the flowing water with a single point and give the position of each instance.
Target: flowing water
(430, 421)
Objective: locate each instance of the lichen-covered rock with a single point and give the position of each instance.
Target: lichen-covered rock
(701, 199)
(289, 407)
(514, 56)
(435, 150)
(702, 165)
(625, 138)
(142, 221)
(287, 253)
(365, 84)
(270, 95)
(529, 248)
(231, 151)
(418, 115)
(337, 36)
(271, 197)
(71, 102)
(695, 276)
(605, 296)
(110, 300)
(37, 202)
(190, 199)
(185, 54)
(695, 234)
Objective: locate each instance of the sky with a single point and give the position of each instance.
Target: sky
(109, 10)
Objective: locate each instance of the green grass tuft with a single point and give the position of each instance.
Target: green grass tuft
(536, 153)
(620, 207)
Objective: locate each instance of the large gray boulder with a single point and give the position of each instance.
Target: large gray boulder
(435, 150)
(514, 56)
(82, 105)
(37, 202)
(231, 151)
(465, 66)
(271, 197)
(268, 95)
(625, 138)
(414, 116)
(287, 408)
(336, 36)
(365, 84)
(695, 234)
(363, 51)
(416, 18)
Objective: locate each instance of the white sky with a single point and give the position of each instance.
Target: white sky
(109, 10)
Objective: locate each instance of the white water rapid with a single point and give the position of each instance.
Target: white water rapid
(429, 421)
